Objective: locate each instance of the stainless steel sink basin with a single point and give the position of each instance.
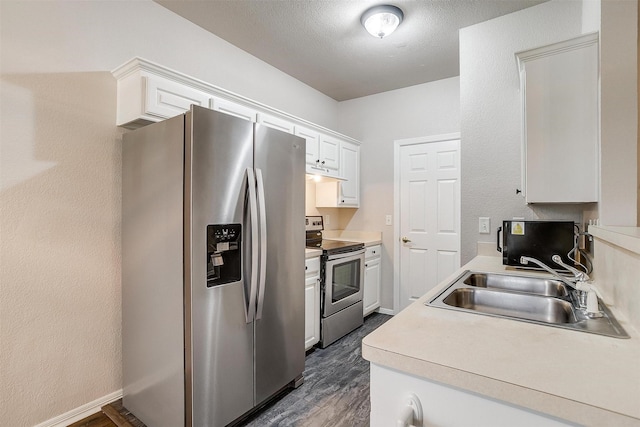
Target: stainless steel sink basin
(531, 285)
(511, 304)
(525, 298)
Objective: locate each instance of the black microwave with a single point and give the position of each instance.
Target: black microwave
(536, 239)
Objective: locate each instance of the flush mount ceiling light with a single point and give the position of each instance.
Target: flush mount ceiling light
(380, 21)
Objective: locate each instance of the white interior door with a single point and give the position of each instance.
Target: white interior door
(428, 208)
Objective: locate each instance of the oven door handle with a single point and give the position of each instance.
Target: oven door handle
(346, 255)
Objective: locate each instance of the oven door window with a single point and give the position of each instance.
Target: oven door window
(345, 280)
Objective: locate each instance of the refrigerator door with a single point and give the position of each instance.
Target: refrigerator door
(218, 341)
(152, 273)
(279, 328)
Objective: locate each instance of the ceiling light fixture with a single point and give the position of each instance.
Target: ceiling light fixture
(380, 21)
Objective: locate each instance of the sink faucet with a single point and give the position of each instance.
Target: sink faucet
(525, 260)
(587, 298)
(579, 276)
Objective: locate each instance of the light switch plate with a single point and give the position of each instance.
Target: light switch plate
(484, 225)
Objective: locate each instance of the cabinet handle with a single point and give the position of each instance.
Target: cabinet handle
(366, 265)
(323, 162)
(306, 268)
(411, 414)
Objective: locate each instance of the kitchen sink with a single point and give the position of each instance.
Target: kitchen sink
(532, 285)
(544, 301)
(511, 304)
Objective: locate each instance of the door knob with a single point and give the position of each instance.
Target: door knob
(405, 240)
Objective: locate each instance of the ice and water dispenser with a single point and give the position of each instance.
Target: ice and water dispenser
(224, 249)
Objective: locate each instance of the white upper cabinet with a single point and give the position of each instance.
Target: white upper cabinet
(560, 115)
(275, 122)
(344, 193)
(313, 145)
(323, 152)
(145, 97)
(329, 156)
(350, 170)
(149, 92)
(234, 109)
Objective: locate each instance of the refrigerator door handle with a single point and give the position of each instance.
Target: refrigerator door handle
(263, 242)
(253, 215)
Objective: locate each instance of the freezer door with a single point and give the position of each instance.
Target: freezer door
(279, 328)
(219, 341)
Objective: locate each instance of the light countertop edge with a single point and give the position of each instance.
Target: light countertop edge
(311, 253)
(369, 238)
(415, 342)
(626, 237)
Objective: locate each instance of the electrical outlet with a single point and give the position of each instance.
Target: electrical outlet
(388, 220)
(484, 225)
(327, 219)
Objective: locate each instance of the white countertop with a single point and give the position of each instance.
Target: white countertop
(584, 378)
(369, 238)
(310, 253)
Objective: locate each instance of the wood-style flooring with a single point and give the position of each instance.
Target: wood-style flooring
(335, 392)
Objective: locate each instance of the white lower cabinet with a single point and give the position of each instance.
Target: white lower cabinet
(312, 302)
(442, 405)
(372, 277)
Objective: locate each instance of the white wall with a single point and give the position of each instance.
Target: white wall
(377, 121)
(490, 112)
(619, 113)
(60, 200)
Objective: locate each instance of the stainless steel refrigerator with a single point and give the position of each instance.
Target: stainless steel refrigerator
(212, 268)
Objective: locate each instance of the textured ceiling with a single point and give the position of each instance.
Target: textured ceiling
(321, 42)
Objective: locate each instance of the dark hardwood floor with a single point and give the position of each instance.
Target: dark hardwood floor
(335, 392)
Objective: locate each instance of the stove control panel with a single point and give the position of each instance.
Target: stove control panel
(314, 223)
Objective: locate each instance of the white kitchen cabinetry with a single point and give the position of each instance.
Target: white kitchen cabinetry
(344, 193)
(312, 302)
(275, 122)
(560, 121)
(234, 109)
(148, 92)
(372, 278)
(144, 97)
(329, 154)
(313, 147)
(441, 404)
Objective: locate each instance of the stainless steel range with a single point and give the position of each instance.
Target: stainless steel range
(342, 279)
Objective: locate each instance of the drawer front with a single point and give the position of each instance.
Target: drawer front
(312, 267)
(373, 252)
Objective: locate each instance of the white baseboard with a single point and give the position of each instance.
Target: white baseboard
(81, 411)
(386, 311)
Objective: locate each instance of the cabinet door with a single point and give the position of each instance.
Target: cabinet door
(329, 153)
(389, 390)
(275, 122)
(165, 98)
(234, 109)
(313, 145)
(372, 278)
(349, 169)
(311, 312)
(560, 105)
